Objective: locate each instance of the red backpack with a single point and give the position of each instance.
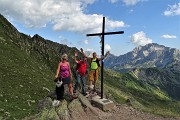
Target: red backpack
(81, 68)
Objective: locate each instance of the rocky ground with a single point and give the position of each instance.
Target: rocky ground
(81, 109)
(127, 113)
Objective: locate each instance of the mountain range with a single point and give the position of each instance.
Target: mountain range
(150, 55)
(152, 64)
(148, 78)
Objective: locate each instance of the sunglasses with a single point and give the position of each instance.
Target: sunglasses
(64, 59)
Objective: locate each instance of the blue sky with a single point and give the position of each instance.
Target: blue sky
(68, 22)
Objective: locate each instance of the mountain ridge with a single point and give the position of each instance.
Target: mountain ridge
(150, 55)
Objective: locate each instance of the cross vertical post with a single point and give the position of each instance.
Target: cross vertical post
(102, 50)
(102, 61)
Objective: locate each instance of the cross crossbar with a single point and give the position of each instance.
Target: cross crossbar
(107, 33)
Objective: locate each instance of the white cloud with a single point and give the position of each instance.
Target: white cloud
(82, 23)
(65, 15)
(132, 2)
(173, 10)
(90, 49)
(131, 10)
(128, 2)
(113, 1)
(107, 47)
(168, 36)
(85, 42)
(140, 38)
(61, 37)
(89, 52)
(65, 42)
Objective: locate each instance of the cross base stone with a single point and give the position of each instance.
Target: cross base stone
(104, 104)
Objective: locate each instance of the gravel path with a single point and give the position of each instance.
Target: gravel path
(123, 112)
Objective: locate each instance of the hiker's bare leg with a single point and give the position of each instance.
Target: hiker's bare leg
(91, 77)
(90, 83)
(95, 78)
(70, 89)
(95, 84)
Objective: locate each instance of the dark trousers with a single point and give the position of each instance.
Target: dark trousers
(60, 92)
(81, 79)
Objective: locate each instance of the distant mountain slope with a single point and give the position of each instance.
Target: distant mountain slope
(150, 55)
(150, 90)
(167, 80)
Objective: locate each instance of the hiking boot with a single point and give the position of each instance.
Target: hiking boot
(85, 94)
(74, 92)
(74, 97)
(94, 91)
(55, 103)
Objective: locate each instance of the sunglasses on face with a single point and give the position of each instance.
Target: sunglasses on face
(64, 59)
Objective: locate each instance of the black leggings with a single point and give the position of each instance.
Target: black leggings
(60, 92)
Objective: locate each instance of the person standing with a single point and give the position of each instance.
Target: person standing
(80, 73)
(94, 65)
(64, 71)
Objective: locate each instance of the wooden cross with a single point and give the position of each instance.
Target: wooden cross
(102, 50)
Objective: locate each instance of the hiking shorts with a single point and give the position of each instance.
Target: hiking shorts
(66, 80)
(93, 75)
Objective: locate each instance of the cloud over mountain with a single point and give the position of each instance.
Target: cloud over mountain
(107, 47)
(140, 38)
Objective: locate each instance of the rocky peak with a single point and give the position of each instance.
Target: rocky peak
(37, 37)
(150, 47)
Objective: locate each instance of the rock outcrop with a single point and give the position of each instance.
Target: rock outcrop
(81, 109)
(77, 109)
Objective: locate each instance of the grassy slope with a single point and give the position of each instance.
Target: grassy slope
(22, 80)
(143, 96)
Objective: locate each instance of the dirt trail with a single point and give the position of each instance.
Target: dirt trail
(123, 112)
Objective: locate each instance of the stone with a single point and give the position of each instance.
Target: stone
(85, 102)
(45, 103)
(48, 114)
(104, 104)
(63, 111)
(77, 111)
